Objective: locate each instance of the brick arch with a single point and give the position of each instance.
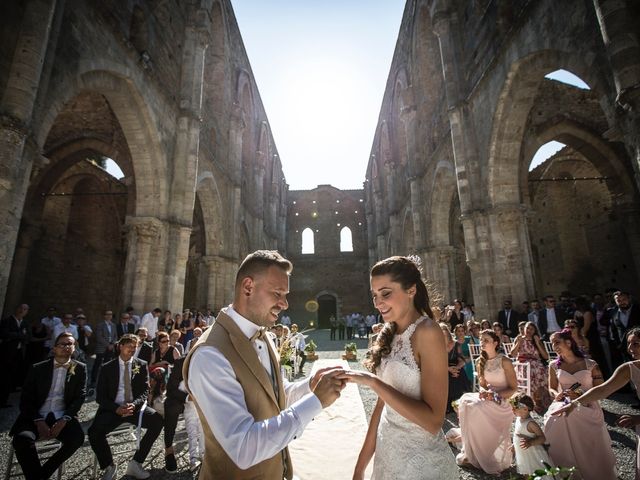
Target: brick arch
(592, 147)
(138, 125)
(505, 159)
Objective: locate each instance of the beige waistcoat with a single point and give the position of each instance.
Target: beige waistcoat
(259, 396)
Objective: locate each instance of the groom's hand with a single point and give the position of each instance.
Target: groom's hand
(329, 386)
(313, 381)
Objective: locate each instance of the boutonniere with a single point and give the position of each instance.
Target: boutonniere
(136, 369)
(71, 372)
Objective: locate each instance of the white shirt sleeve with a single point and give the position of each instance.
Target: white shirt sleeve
(221, 399)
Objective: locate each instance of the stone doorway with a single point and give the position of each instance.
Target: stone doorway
(327, 306)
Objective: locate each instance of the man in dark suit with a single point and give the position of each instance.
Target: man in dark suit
(52, 396)
(144, 350)
(121, 394)
(173, 407)
(13, 339)
(125, 325)
(551, 318)
(623, 317)
(508, 318)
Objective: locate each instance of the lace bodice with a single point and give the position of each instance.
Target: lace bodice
(404, 450)
(494, 373)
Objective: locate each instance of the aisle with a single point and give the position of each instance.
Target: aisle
(330, 445)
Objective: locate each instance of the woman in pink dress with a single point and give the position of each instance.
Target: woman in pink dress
(486, 417)
(529, 348)
(581, 439)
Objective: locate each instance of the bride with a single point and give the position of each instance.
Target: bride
(410, 366)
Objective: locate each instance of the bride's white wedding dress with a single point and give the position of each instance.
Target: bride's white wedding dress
(405, 450)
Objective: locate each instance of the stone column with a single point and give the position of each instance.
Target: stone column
(142, 234)
(18, 149)
(176, 266)
(29, 235)
(620, 36)
(417, 205)
(215, 282)
(630, 215)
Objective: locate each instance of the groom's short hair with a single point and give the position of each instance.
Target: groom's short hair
(259, 261)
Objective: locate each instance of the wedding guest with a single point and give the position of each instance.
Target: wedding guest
(144, 350)
(529, 348)
(249, 413)
(534, 313)
(135, 319)
(508, 318)
(474, 333)
(528, 437)
(625, 373)
(408, 371)
(86, 339)
(485, 325)
(13, 337)
(197, 333)
(485, 417)
(573, 439)
(51, 398)
(174, 341)
(65, 326)
(123, 388)
(576, 334)
(454, 315)
(37, 334)
(165, 354)
(186, 327)
(50, 321)
(298, 342)
(463, 341)
(497, 328)
(458, 381)
(588, 327)
(106, 338)
(150, 322)
(157, 389)
(125, 325)
(623, 317)
(551, 318)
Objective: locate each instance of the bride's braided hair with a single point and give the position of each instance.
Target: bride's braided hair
(405, 271)
(482, 360)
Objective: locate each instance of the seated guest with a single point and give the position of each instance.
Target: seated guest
(52, 395)
(144, 350)
(123, 387)
(297, 341)
(458, 381)
(165, 354)
(197, 333)
(497, 328)
(174, 342)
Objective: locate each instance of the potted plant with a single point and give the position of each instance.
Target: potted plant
(350, 351)
(310, 350)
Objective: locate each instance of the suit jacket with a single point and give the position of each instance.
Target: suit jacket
(542, 320)
(104, 338)
(11, 335)
(261, 400)
(510, 327)
(109, 379)
(145, 353)
(120, 330)
(618, 330)
(36, 390)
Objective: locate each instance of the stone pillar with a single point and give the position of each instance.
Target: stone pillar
(620, 36)
(29, 235)
(390, 172)
(630, 215)
(215, 288)
(176, 266)
(143, 234)
(416, 212)
(439, 270)
(17, 147)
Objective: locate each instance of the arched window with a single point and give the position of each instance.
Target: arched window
(569, 78)
(346, 241)
(307, 241)
(545, 152)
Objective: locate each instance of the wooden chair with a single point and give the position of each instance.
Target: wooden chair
(45, 449)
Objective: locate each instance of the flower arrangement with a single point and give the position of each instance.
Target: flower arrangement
(310, 350)
(350, 351)
(557, 473)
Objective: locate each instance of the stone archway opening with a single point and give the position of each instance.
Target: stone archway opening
(327, 306)
(70, 251)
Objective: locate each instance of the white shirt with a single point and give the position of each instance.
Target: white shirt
(60, 328)
(55, 400)
(120, 395)
(246, 441)
(51, 323)
(150, 323)
(297, 341)
(552, 323)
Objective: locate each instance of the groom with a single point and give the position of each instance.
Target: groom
(233, 374)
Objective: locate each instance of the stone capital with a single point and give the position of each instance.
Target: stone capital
(146, 228)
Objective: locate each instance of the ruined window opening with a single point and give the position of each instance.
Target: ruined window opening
(346, 240)
(544, 153)
(564, 76)
(307, 241)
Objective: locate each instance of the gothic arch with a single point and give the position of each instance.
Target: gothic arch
(211, 202)
(443, 190)
(505, 156)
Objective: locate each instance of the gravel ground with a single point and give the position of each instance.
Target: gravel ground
(81, 464)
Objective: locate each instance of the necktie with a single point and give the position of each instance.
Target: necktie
(127, 383)
(63, 365)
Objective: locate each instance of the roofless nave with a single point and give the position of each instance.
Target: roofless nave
(165, 89)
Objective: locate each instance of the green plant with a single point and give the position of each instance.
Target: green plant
(311, 347)
(351, 348)
(557, 473)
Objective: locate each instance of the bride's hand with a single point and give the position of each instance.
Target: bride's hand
(313, 381)
(357, 376)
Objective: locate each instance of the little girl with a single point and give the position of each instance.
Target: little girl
(528, 437)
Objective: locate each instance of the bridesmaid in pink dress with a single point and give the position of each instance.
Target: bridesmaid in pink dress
(625, 373)
(579, 440)
(486, 417)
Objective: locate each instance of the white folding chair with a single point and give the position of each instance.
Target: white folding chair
(507, 348)
(297, 360)
(474, 351)
(549, 349)
(523, 375)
